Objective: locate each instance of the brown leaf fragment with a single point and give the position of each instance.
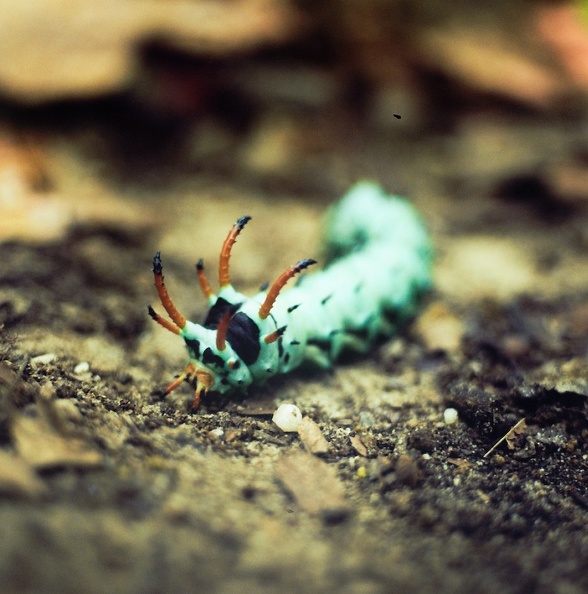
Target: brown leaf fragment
(358, 445)
(312, 437)
(518, 429)
(461, 463)
(17, 478)
(314, 485)
(42, 447)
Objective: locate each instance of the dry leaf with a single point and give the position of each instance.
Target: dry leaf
(18, 478)
(460, 463)
(358, 445)
(41, 446)
(312, 437)
(313, 484)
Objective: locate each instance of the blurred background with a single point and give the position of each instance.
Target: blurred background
(97, 101)
(165, 120)
(128, 126)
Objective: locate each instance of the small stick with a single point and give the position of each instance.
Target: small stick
(518, 428)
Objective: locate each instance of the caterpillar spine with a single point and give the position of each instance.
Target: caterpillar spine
(379, 264)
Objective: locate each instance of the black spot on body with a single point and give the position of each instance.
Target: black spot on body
(287, 358)
(294, 342)
(209, 358)
(293, 307)
(243, 336)
(193, 346)
(324, 301)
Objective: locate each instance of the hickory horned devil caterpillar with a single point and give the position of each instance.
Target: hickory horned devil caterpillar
(379, 264)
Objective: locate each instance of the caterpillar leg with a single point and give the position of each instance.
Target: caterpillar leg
(346, 341)
(200, 379)
(185, 375)
(315, 355)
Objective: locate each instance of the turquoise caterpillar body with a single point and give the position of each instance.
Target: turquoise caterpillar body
(378, 265)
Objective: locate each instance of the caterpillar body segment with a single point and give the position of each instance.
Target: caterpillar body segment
(379, 256)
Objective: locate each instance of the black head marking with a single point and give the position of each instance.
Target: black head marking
(209, 358)
(217, 311)
(243, 336)
(193, 346)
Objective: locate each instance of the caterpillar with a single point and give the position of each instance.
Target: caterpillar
(379, 259)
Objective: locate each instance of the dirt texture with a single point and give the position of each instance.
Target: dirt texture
(452, 458)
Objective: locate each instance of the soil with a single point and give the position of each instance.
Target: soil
(108, 487)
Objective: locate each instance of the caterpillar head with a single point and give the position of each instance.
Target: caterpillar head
(232, 337)
(216, 366)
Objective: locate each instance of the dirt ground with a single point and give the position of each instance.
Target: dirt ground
(107, 487)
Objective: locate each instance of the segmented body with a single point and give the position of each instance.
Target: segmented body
(379, 264)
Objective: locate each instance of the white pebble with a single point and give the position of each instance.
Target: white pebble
(450, 416)
(287, 417)
(42, 359)
(82, 368)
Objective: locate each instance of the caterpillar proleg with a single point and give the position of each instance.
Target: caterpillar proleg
(378, 265)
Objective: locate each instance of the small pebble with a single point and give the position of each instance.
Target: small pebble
(361, 472)
(42, 359)
(217, 433)
(450, 416)
(287, 417)
(82, 368)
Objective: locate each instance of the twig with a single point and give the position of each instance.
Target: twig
(514, 430)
